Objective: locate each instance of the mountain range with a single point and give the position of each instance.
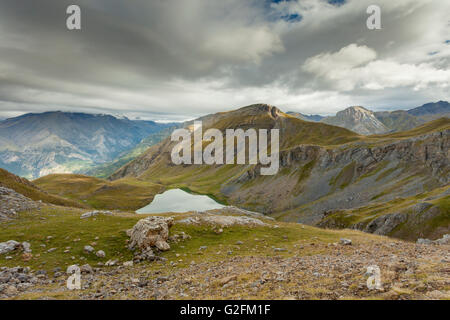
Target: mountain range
(36, 144)
(366, 122)
(394, 184)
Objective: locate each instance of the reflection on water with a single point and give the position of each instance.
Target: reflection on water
(177, 200)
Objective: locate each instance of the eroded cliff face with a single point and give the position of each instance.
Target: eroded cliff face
(313, 179)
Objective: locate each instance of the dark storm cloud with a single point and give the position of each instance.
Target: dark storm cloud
(178, 59)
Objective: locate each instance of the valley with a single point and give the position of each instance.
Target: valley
(34, 145)
(340, 202)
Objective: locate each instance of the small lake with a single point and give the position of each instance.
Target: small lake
(177, 200)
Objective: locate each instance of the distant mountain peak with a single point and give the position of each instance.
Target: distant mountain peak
(261, 108)
(440, 107)
(357, 119)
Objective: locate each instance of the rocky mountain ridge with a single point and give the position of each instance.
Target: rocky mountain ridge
(364, 121)
(357, 119)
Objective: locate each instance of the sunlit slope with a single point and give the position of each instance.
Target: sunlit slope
(124, 194)
(30, 190)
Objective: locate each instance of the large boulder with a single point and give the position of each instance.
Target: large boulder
(150, 232)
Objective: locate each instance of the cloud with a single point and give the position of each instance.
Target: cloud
(356, 66)
(180, 59)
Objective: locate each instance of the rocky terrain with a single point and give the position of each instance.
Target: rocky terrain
(305, 263)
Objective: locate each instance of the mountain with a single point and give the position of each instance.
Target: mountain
(357, 119)
(312, 117)
(364, 121)
(404, 120)
(104, 170)
(323, 169)
(440, 108)
(37, 144)
(398, 120)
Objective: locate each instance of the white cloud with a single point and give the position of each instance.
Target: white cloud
(187, 58)
(355, 67)
(335, 65)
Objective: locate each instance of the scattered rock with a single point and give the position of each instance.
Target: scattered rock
(111, 263)
(345, 242)
(27, 256)
(88, 249)
(9, 246)
(11, 291)
(128, 264)
(223, 221)
(225, 280)
(86, 269)
(94, 213)
(424, 241)
(26, 247)
(100, 254)
(444, 240)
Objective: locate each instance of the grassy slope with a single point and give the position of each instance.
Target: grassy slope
(222, 256)
(429, 127)
(67, 230)
(31, 191)
(124, 194)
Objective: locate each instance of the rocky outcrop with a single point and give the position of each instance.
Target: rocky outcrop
(148, 234)
(95, 213)
(12, 202)
(384, 225)
(443, 241)
(223, 221)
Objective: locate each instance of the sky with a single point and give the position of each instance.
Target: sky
(173, 60)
